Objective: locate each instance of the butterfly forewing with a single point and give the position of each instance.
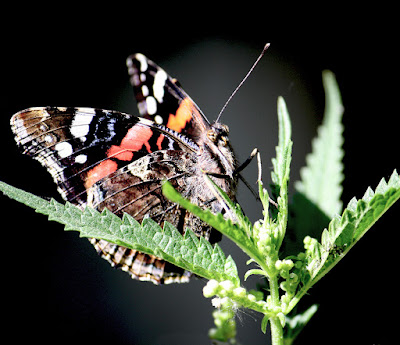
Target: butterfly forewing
(80, 146)
(161, 99)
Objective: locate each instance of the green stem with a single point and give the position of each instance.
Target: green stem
(276, 326)
(276, 331)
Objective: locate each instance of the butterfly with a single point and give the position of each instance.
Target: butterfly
(107, 159)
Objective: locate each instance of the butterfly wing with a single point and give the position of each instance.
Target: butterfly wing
(162, 100)
(109, 159)
(136, 190)
(80, 146)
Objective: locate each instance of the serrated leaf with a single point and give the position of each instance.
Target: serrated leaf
(345, 231)
(281, 163)
(171, 231)
(281, 172)
(218, 255)
(230, 269)
(188, 251)
(25, 198)
(322, 177)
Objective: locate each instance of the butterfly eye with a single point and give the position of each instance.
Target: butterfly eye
(223, 140)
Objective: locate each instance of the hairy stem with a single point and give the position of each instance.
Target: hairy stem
(276, 331)
(276, 326)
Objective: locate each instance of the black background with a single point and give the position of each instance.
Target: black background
(55, 287)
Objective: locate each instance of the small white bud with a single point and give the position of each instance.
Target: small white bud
(239, 292)
(251, 297)
(211, 288)
(227, 285)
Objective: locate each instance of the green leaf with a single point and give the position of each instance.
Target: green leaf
(281, 164)
(321, 178)
(188, 251)
(264, 323)
(281, 172)
(25, 198)
(296, 323)
(254, 271)
(345, 231)
(360, 215)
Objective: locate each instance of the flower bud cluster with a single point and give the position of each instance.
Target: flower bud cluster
(224, 319)
(238, 295)
(291, 272)
(267, 236)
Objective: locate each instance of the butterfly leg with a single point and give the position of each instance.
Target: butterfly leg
(251, 189)
(244, 165)
(246, 162)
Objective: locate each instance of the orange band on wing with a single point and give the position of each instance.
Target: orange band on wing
(160, 140)
(135, 138)
(100, 171)
(183, 116)
(119, 153)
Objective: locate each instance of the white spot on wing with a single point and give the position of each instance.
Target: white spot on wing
(151, 105)
(64, 149)
(81, 159)
(145, 90)
(80, 123)
(158, 86)
(143, 62)
(135, 80)
(158, 119)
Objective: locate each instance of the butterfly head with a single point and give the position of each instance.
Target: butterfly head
(218, 134)
(219, 146)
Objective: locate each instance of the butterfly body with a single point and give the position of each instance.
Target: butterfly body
(107, 159)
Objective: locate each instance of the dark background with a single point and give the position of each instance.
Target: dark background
(55, 287)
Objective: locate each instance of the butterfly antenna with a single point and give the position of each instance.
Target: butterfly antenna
(242, 82)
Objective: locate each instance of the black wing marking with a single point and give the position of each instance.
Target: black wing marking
(161, 99)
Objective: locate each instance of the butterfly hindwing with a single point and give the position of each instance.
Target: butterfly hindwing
(136, 190)
(139, 265)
